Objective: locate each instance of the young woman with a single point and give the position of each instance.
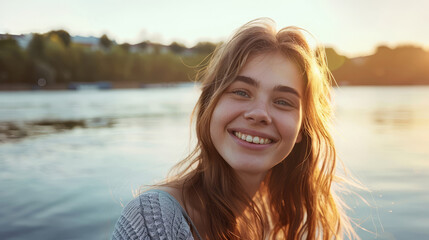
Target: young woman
(264, 162)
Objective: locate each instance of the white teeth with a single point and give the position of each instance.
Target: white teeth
(252, 139)
(255, 140)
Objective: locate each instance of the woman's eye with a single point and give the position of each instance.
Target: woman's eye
(241, 93)
(283, 103)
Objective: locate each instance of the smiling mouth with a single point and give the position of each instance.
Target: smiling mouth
(252, 139)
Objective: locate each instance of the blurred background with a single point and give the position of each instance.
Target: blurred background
(96, 97)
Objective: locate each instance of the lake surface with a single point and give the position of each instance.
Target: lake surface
(70, 183)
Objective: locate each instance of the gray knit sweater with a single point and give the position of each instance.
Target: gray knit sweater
(154, 215)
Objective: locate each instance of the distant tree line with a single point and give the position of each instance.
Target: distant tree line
(56, 59)
(403, 65)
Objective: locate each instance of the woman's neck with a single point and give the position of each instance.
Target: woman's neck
(251, 182)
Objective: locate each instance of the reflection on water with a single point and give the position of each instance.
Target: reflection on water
(83, 152)
(381, 135)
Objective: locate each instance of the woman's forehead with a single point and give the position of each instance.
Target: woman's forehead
(274, 67)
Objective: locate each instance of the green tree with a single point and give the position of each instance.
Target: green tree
(204, 47)
(14, 64)
(105, 42)
(125, 47)
(177, 48)
(63, 35)
(88, 65)
(143, 45)
(57, 57)
(36, 47)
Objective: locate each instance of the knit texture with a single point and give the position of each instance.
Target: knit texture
(154, 215)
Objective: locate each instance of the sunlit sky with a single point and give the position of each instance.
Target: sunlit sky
(352, 27)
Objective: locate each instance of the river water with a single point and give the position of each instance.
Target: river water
(70, 183)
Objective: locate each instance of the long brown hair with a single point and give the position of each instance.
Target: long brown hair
(295, 201)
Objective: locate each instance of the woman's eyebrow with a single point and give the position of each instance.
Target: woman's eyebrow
(282, 88)
(278, 88)
(247, 80)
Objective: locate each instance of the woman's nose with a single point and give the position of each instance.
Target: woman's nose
(258, 113)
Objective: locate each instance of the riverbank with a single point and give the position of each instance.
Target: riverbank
(88, 85)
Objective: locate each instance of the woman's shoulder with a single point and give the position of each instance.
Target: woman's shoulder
(157, 203)
(154, 214)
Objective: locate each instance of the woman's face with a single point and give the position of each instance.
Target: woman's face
(257, 120)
